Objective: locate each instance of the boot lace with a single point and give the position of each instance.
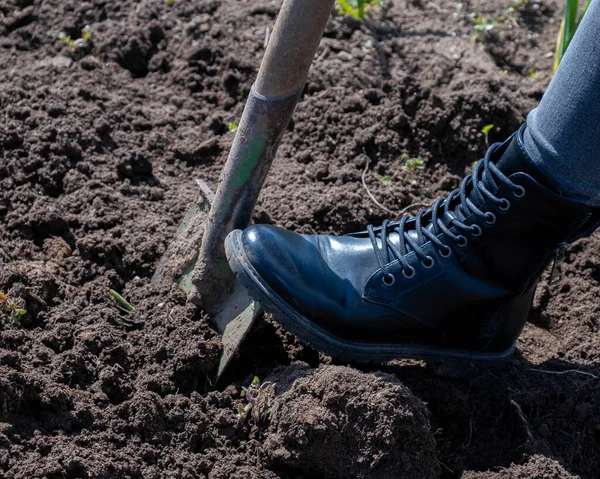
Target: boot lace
(431, 223)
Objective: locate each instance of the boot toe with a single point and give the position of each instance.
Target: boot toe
(277, 256)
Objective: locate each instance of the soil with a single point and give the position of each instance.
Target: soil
(99, 149)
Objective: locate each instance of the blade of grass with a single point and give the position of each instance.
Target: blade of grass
(568, 27)
(348, 9)
(583, 13)
(559, 42)
(361, 8)
(120, 300)
(571, 10)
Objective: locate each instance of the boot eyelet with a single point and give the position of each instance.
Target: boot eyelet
(391, 279)
(445, 253)
(490, 218)
(519, 192)
(461, 241)
(428, 262)
(505, 205)
(476, 230)
(410, 274)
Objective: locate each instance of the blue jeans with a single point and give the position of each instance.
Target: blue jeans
(562, 137)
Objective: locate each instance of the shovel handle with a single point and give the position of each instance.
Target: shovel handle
(272, 100)
(292, 46)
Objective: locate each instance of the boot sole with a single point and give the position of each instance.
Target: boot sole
(322, 340)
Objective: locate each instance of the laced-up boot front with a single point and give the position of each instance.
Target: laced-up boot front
(457, 280)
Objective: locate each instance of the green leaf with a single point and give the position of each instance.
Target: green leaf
(347, 9)
(413, 163)
(17, 314)
(486, 129)
(386, 180)
(233, 127)
(255, 382)
(120, 300)
(86, 33)
(570, 23)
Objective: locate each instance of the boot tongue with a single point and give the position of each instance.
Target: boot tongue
(515, 160)
(511, 161)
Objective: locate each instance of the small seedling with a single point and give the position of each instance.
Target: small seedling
(411, 163)
(232, 127)
(86, 33)
(533, 75)
(386, 180)
(120, 300)
(568, 27)
(86, 37)
(67, 40)
(251, 395)
(16, 313)
(485, 26)
(356, 8)
(486, 132)
(169, 2)
(482, 25)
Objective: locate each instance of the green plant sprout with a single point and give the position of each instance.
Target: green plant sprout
(86, 33)
(533, 75)
(484, 25)
(251, 395)
(16, 313)
(486, 132)
(519, 5)
(232, 127)
(568, 27)
(386, 180)
(169, 2)
(411, 163)
(86, 37)
(120, 300)
(356, 8)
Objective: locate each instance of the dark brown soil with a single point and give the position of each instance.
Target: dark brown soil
(537, 466)
(338, 422)
(98, 152)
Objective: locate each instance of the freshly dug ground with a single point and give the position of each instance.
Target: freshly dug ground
(99, 149)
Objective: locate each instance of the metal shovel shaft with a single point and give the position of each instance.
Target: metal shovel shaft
(270, 105)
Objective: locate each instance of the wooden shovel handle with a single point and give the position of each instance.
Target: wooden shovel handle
(292, 46)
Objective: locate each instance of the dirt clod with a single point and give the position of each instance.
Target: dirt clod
(338, 422)
(536, 467)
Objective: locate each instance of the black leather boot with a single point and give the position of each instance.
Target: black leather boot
(456, 281)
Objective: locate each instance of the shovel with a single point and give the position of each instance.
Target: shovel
(195, 260)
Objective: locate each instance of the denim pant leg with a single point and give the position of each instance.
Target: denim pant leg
(562, 136)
